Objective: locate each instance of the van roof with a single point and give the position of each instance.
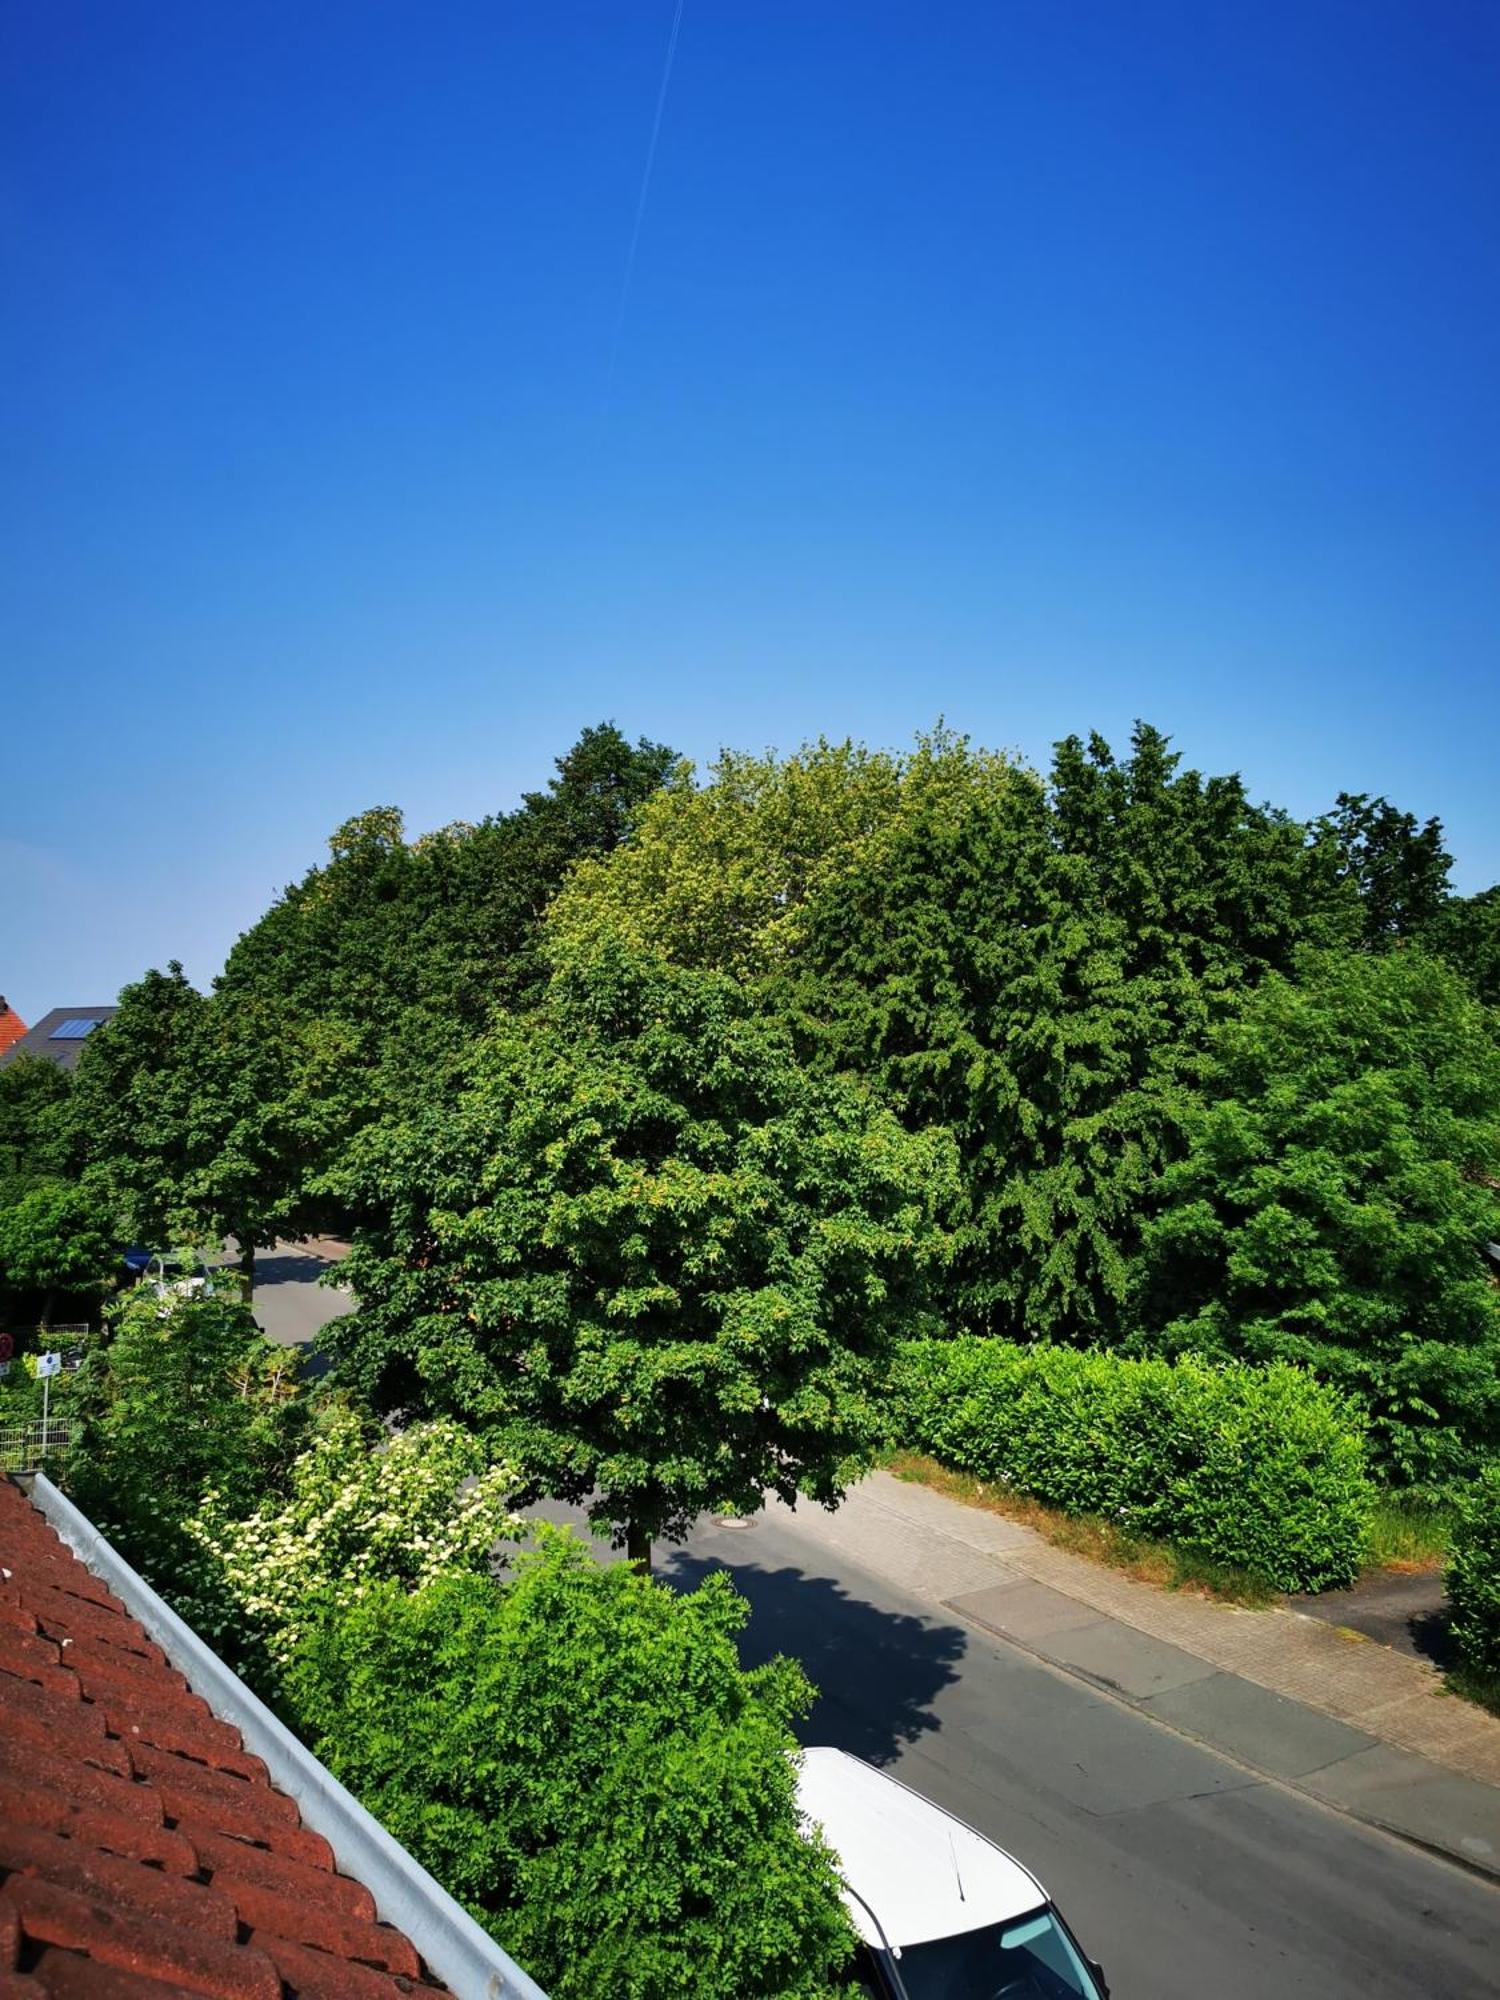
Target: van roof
(923, 1873)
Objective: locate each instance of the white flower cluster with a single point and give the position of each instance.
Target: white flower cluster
(420, 1504)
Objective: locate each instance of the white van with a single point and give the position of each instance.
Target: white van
(942, 1913)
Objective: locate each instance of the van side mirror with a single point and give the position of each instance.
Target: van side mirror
(1097, 1972)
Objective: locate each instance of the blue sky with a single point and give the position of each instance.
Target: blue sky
(1039, 366)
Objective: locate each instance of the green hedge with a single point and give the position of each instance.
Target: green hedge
(1262, 1468)
(1474, 1575)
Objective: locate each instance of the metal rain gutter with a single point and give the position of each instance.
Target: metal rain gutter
(458, 1951)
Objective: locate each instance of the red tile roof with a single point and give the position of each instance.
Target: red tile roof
(144, 1854)
(12, 1027)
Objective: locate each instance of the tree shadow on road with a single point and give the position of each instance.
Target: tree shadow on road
(289, 1270)
(877, 1672)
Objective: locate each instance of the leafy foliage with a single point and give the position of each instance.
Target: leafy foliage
(359, 1512)
(1260, 1468)
(130, 1102)
(1473, 1577)
(1334, 1204)
(1396, 869)
(580, 1758)
(37, 1140)
(185, 1395)
(1466, 933)
(56, 1238)
(646, 1254)
(1032, 966)
(449, 922)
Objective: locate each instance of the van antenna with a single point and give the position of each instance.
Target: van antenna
(958, 1878)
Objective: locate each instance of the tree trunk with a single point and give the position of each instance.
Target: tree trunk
(638, 1548)
(51, 1300)
(247, 1270)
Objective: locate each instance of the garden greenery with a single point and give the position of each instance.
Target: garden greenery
(580, 1758)
(1474, 1577)
(361, 1511)
(1260, 1468)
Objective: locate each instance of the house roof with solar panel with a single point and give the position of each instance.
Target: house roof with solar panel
(59, 1035)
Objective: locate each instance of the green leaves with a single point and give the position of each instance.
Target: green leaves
(580, 1758)
(1335, 1200)
(646, 1251)
(57, 1237)
(1473, 1578)
(1260, 1468)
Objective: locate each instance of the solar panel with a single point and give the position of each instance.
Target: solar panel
(72, 1031)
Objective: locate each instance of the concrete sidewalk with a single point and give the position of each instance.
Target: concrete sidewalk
(1364, 1729)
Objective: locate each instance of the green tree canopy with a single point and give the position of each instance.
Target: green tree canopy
(447, 922)
(37, 1136)
(56, 1238)
(1335, 1202)
(1033, 965)
(131, 1097)
(582, 1760)
(1396, 869)
(1466, 933)
(645, 1252)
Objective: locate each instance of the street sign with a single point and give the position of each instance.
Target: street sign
(48, 1364)
(7, 1346)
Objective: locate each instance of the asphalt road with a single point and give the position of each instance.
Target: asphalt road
(1189, 1878)
(290, 1304)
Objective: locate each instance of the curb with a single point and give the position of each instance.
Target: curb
(1482, 1869)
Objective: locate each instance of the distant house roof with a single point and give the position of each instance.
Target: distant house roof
(12, 1027)
(145, 1850)
(58, 1036)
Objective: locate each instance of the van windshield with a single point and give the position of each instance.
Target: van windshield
(1030, 1959)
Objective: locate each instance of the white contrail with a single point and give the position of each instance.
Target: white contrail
(640, 206)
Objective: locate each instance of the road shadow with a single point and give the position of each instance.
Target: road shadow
(301, 1269)
(1432, 1637)
(877, 1672)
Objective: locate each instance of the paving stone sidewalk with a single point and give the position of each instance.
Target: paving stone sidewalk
(1365, 1729)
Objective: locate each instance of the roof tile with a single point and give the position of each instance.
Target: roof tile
(95, 1826)
(63, 1975)
(29, 1851)
(318, 1975)
(144, 1853)
(229, 1862)
(37, 1770)
(206, 1965)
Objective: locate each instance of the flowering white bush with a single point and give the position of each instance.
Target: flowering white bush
(420, 1504)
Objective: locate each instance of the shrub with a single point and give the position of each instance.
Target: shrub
(1261, 1468)
(580, 1758)
(421, 1504)
(1474, 1575)
(183, 1394)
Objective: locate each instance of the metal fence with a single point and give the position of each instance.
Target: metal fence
(30, 1446)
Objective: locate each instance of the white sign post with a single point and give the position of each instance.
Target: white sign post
(47, 1365)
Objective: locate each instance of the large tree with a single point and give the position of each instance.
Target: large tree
(447, 922)
(654, 1260)
(38, 1139)
(1032, 964)
(131, 1096)
(1334, 1206)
